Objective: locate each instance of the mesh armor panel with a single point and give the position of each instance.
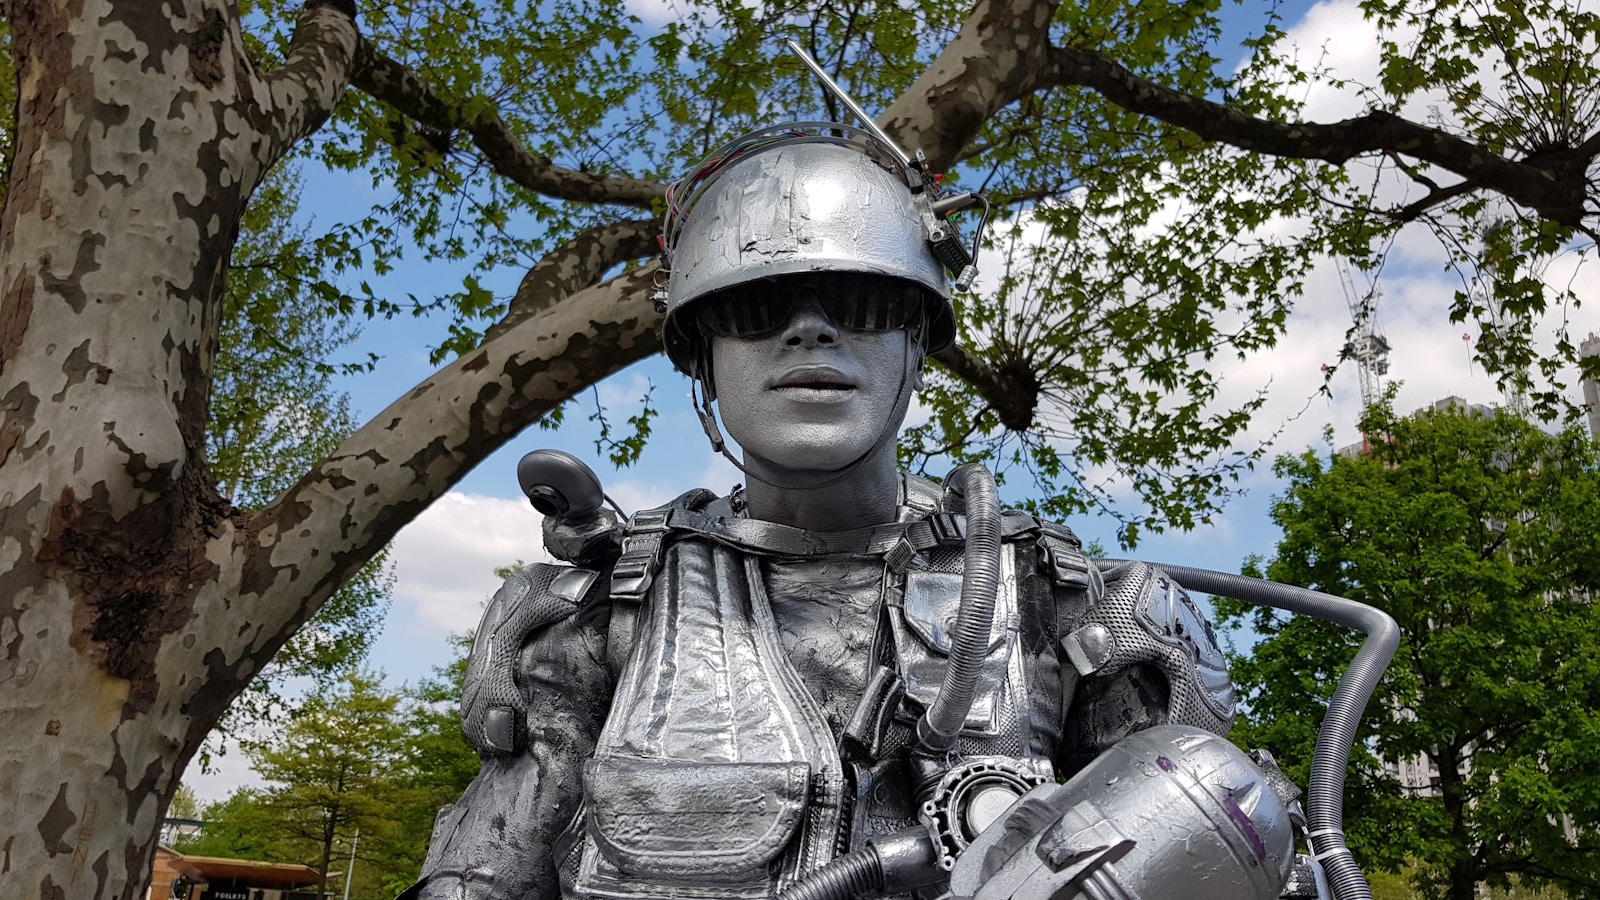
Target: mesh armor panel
(944, 559)
(1153, 623)
(489, 694)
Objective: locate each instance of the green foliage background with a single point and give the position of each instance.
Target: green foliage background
(1480, 535)
(355, 756)
(275, 413)
(1139, 261)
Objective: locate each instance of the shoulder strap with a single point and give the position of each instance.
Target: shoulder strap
(646, 533)
(643, 536)
(1063, 556)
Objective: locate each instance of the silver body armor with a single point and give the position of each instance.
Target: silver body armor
(711, 742)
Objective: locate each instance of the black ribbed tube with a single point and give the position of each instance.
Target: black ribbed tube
(1330, 759)
(848, 876)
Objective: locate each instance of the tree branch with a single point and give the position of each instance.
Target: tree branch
(575, 265)
(1411, 211)
(301, 93)
(397, 85)
(1553, 192)
(996, 58)
(291, 555)
(1014, 399)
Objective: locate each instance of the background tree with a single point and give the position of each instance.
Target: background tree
(340, 767)
(1480, 535)
(239, 827)
(441, 762)
(540, 138)
(354, 757)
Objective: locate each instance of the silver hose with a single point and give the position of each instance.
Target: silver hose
(907, 859)
(1325, 792)
(980, 580)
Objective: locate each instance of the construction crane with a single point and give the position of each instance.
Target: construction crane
(1366, 346)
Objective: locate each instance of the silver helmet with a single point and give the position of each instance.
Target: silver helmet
(802, 198)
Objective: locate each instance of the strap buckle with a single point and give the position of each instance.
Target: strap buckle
(641, 553)
(949, 530)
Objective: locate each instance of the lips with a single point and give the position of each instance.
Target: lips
(816, 378)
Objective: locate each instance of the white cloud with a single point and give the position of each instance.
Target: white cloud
(228, 773)
(718, 474)
(654, 13)
(446, 557)
(1336, 37)
(621, 399)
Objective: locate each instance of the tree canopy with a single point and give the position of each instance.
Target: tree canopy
(1480, 535)
(1163, 204)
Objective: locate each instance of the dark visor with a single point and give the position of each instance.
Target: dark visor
(851, 301)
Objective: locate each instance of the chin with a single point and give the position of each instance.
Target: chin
(809, 457)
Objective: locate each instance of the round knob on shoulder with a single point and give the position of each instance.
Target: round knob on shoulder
(559, 484)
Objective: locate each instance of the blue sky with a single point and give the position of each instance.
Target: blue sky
(444, 561)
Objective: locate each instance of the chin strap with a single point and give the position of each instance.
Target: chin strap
(701, 399)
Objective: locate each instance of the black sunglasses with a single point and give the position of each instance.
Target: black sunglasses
(851, 301)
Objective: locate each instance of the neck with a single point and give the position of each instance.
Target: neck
(869, 495)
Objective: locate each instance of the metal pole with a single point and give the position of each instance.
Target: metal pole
(350, 869)
(861, 114)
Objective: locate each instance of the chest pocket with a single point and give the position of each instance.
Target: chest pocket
(704, 829)
(923, 624)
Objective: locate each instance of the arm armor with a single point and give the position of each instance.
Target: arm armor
(1147, 656)
(492, 706)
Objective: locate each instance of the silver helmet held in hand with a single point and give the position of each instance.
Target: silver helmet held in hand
(799, 199)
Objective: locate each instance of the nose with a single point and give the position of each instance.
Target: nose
(809, 325)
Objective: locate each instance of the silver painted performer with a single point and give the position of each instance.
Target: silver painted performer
(839, 679)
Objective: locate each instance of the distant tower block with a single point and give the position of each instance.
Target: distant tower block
(1591, 387)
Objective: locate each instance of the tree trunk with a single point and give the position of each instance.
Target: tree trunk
(1463, 872)
(326, 862)
(141, 130)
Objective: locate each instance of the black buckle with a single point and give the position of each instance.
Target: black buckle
(948, 530)
(649, 520)
(1067, 567)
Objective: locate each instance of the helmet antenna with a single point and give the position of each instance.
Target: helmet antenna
(944, 237)
(853, 106)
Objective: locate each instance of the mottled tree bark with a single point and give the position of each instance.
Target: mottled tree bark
(142, 129)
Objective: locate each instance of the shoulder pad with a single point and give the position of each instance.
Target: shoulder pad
(1146, 617)
(531, 598)
(923, 495)
(692, 499)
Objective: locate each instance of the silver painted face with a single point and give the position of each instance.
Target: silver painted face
(813, 397)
